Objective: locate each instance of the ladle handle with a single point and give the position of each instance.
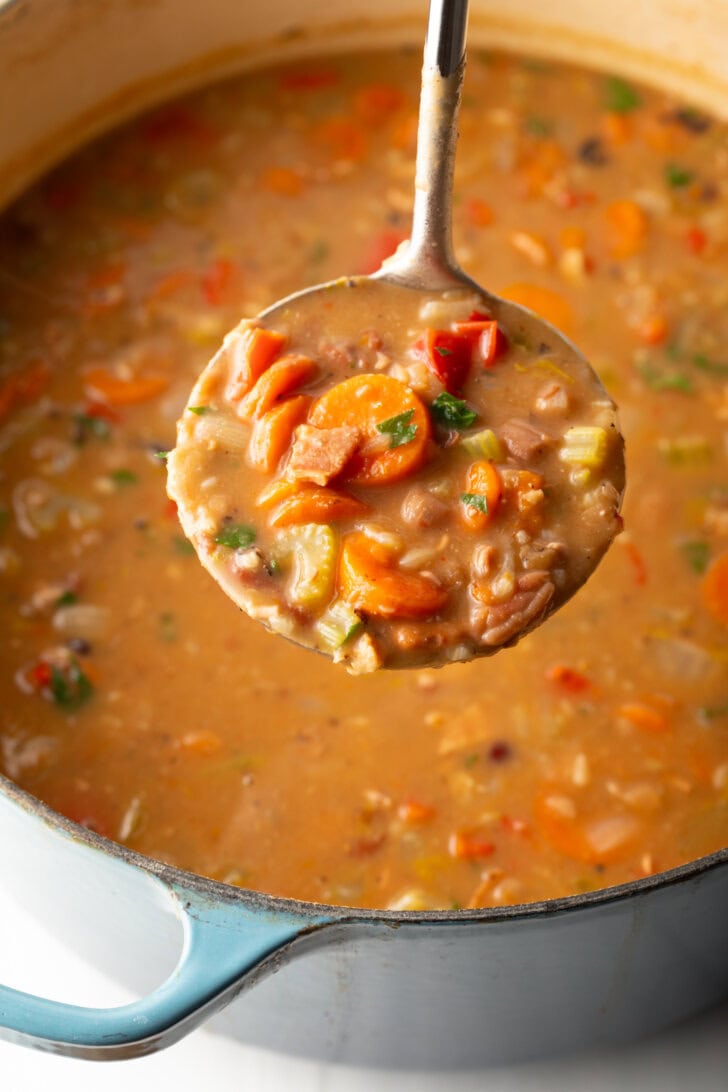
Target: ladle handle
(429, 258)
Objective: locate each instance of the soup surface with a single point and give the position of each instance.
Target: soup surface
(136, 699)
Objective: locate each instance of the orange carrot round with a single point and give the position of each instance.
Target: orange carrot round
(549, 305)
(280, 379)
(253, 352)
(370, 580)
(366, 402)
(316, 504)
(272, 432)
(714, 589)
(104, 386)
(626, 228)
(482, 480)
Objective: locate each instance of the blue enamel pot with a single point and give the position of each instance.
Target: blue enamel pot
(423, 989)
(364, 987)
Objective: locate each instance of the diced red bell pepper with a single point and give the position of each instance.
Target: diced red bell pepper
(40, 674)
(486, 338)
(449, 356)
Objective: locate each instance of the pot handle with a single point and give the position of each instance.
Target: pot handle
(223, 944)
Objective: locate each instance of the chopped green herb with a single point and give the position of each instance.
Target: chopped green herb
(539, 127)
(163, 455)
(707, 365)
(70, 688)
(620, 97)
(67, 599)
(475, 500)
(183, 545)
(697, 555)
(199, 410)
(399, 429)
(87, 427)
(123, 477)
(236, 536)
(319, 251)
(677, 177)
(665, 381)
(452, 412)
(167, 626)
(470, 760)
(712, 712)
(443, 351)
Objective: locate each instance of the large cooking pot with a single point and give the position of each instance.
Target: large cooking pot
(431, 989)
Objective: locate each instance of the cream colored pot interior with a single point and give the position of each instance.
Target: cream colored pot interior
(69, 68)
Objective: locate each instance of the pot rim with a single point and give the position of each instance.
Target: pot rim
(175, 878)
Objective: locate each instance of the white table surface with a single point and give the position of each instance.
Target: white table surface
(691, 1058)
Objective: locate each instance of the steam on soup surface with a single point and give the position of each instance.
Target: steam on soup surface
(133, 695)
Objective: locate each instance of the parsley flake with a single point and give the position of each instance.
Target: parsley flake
(236, 536)
(163, 455)
(677, 177)
(452, 412)
(123, 477)
(620, 97)
(475, 500)
(666, 381)
(697, 555)
(70, 688)
(183, 545)
(66, 599)
(200, 411)
(399, 429)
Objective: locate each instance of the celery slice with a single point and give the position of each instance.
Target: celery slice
(584, 445)
(484, 445)
(312, 548)
(338, 624)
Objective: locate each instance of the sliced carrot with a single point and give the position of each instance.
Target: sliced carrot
(645, 717)
(364, 402)
(478, 212)
(376, 104)
(467, 846)
(220, 282)
(413, 811)
(562, 832)
(104, 385)
(653, 330)
(714, 589)
(280, 379)
(272, 432)
(170, 284)
(546, 159)
(568, 678)
(696, 240)
(636, 560)
(549, 305)
(316, 504)
(281, 180)
(254, 350)
(343, 138)
(481, 480)
(276, 491)
(370, 580)
(23, 387)
(572, 238)
(627, 228)
(616, 128)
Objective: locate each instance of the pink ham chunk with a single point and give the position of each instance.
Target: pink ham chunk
(320, 454)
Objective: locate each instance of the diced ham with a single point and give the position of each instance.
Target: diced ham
(320, 454)
(504, 621)
(523, 440)
(420, 508)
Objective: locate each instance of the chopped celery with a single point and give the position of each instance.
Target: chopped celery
(312, 548)
(584, 445)
(484, 445)
(685, 450)
(338, 624)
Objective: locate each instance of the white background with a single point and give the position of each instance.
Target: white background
(691, 1058)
